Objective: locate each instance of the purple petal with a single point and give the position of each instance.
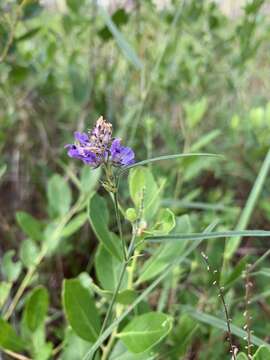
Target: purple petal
(81, 137)
(121, 155)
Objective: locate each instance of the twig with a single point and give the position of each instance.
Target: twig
(15, 355)
(12, 31)
(247, 326)
(233, 349)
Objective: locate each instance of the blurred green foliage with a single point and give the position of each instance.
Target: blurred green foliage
(188, 78)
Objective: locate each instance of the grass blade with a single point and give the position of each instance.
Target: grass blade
(233, 244)
(166, 157)
(221, 324)
(206, 236)
(121, 41)
(197, 205)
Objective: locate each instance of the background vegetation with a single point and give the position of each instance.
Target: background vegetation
(172, 77)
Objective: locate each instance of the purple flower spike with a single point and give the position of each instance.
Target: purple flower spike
(121, 155)
(98, 147)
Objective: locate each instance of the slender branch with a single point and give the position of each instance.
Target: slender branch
(264, 256)
(233, 349)
(247, 327)
(15, 355)
(12, 31)
(24, 284)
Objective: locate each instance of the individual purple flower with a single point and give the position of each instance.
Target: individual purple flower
(83, 150)
(99, 147)
(121, 155)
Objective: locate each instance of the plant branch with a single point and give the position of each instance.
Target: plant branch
(15, 355)
(233, 348)
(12, 31)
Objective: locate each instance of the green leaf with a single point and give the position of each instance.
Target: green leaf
(9, 340)
(108, 269)
(221, 324)
(80, 84)
(28, 34)
(19, 74)
(28, 253)
(241, 356)
(126, 297)
(89, 178)
(11, 269)
(205, 140)
(263, 353)
(145, 331)
(205, 236)
(232, 245)
(99, 218)
(75, 5)
(142, 185)
(236, 273)
(75, 347)
(4, 292)
(31, 226)
(166, 253)
(195, 111)
(80, 310)
(59, 195)
(36, 308)
(165, 222)
(120, 17)
(120, 352)
(143, 295)
(74, 225)
(127, 50)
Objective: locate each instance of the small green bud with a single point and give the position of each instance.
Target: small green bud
(131, 214)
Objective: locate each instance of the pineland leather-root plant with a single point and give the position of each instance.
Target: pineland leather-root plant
(110, 315)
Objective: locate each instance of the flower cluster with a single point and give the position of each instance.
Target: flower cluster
(99, 147)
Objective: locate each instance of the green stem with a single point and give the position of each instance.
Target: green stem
(117, 213)
(108, 314)
(123, 270)
(132, 269)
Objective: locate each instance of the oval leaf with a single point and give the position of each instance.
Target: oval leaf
(31, 226)
(99, 218)
(8, 338)
(242, 356)
(142, 185)
(263, 353)
(145, 331)
(80, 310)
(108, 269)
(10, 268)
(59, 195)
(36, 308)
